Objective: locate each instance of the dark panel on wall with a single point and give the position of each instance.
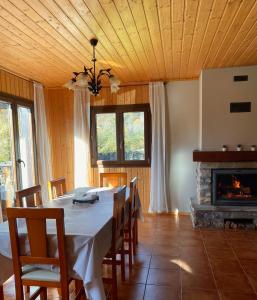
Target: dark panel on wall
(237, 107)
(241, 78)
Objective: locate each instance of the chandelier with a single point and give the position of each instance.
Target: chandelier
(88, 78)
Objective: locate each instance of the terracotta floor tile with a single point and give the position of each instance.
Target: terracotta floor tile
(164, 262)
(136, 275)
(246, 254)
(164, 277)
(198, 252)
(214, 234)
(226, 295)
(140, 261)
(189, 241)
(154, 292)
(225, 265)
(249, 266)
(131, 292)
(166, 250)
(197, 281)
(225, 253)
(145, 249)
(195, 266)
(241, 244)
(253, 281)
(200, 295)
(232, 282)
(216, 243)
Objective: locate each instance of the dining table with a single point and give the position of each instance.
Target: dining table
(88, 234)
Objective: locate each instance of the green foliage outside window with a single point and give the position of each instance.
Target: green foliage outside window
(5, 136)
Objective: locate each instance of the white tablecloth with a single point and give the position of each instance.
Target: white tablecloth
(88, 239)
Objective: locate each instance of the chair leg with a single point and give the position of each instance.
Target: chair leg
(130, 248)
(136, 229)
(65, 291)
(134, 243)
(114, 278)
(1, 292)
(43, 294)
(122, 256)
(27, 289)
(19, 290)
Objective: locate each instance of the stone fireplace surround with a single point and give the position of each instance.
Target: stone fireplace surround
(203, 213)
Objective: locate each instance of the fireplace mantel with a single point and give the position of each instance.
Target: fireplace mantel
(226, 156)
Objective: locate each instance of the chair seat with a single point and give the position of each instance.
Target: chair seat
(28, 268)
(41, 275)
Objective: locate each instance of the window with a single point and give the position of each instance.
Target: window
(18, 168)
(121, 135)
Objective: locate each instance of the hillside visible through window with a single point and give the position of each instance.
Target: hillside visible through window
(134, 141)
(106, 136)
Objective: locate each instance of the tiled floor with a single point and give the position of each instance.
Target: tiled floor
(175, 262)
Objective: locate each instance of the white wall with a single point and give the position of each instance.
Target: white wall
(219, 126)
(183, 138)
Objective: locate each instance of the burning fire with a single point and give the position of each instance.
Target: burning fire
(236, 184)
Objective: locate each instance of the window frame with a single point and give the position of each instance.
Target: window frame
(119, 110)
(16, 101)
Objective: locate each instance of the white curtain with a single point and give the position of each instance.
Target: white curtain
(43, 146)
(158, 190)
(81, 137)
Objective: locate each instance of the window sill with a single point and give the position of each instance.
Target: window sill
(119, 164)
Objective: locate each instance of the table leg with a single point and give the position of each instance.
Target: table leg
(1, 292)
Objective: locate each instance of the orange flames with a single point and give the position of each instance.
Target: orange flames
(236, 184)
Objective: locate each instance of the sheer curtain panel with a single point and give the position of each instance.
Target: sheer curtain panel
(43, 146)
(81, 137)
(158, 188)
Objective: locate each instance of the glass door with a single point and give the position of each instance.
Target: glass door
(17, 155)
(26, 157)
(7, 158)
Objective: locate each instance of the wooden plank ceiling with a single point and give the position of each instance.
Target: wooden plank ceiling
(140, 40)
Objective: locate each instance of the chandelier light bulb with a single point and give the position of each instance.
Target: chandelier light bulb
(81, 80)
(70, 85)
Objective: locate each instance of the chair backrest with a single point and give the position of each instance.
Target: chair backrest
(37, 236)
(119, 199)
(57, 188)
(30, 197)
(113, 179)
(133, 197)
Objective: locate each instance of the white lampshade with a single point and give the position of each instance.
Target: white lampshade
(81, 80)
(114, 82)
(70, 85)
(114, 88)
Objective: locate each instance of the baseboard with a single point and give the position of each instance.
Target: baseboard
(170, 213)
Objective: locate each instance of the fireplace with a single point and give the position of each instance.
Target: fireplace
(234, 187)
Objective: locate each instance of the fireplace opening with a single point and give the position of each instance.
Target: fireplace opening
(234, 187)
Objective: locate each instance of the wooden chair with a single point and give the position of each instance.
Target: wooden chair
(131, 225)
(32, 197)
(57, 188)
(117, 246)
(113, 179)
(26, 270)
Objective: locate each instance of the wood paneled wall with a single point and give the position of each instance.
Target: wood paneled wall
(14, 85)
(59, 110)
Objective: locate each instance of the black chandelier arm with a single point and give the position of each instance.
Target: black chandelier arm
(103, 72)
